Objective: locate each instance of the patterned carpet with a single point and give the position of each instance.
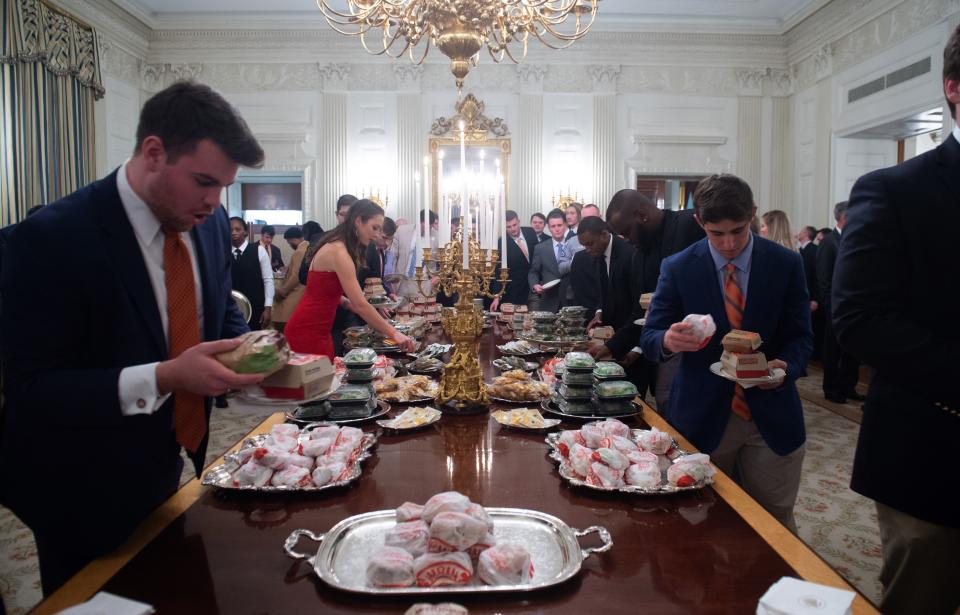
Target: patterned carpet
(838, 524)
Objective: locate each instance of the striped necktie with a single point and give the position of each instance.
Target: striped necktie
(734, 302)
(189, 414)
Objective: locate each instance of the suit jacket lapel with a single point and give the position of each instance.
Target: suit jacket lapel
(709, 280)
(758, 271)
(123, 249)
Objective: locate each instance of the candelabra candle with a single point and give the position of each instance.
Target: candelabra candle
(464, 203)
(418, 189)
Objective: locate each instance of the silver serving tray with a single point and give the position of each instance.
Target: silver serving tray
(567, 473)
(341, 559)
(221, 476)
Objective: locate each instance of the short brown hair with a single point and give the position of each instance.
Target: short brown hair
(188, 112)
(951, 64)
(723, 197)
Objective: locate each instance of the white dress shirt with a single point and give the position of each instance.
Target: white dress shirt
(956, 132)
(266, 271)
(138, 384)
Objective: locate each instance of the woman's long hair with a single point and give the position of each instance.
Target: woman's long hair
(363, 209)
(778, 229)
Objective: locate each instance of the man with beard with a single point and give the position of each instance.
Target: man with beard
(656, 234)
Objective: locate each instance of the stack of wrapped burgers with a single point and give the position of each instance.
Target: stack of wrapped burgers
(442, 543)
(740, 358)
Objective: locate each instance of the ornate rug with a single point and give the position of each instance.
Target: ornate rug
(838, 524)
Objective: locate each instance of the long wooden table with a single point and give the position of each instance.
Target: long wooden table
(209, 551)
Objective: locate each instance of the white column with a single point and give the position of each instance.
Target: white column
(528, 186)
(749, 125)
(333, 143)
(411, 140)
(605, 166)
(781, 160)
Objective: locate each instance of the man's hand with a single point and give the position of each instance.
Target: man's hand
(406, 344)
(495, 304)
(679, 338)
(813, 306)
(266, 316)
(197, 371)
(630, 358)
(771, 365)
(538, 289)
(593, 323)
(599, 351)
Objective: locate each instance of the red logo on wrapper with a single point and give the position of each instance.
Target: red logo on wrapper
(443, 573)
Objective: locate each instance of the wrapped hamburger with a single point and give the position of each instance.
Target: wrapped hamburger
(260, 352)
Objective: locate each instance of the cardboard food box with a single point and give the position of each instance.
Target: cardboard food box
(602, 333)
(645, 300)
(741, 341)
(304, 377)
(744, 365)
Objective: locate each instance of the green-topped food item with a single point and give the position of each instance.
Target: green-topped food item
(575, 392)
(350, 394)
(609, 369)
(360, 358)
(579, 361)
(616, 389)
(260, 352)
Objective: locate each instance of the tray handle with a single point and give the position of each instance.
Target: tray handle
(295, 537)
(604, 537)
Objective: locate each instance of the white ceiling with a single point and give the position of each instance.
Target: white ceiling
(771, 16)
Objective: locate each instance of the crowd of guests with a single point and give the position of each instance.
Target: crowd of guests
(125, 358)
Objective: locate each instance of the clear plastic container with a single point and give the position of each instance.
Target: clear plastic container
(616, 389)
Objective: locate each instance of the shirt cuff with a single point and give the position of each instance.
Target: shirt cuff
(637, 350)
(138, 390)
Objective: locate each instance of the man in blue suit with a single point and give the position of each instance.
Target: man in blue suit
(755, 435)
(109, 349)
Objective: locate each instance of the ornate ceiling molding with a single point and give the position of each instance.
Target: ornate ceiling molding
(409, 76)
(531, 78)
(333, 76)
(604, 78)
(750, 81)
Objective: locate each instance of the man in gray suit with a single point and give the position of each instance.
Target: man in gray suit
(548, 257)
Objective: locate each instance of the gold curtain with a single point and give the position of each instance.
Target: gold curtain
(49, 79)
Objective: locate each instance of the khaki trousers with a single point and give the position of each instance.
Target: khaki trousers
(921, 565)
(771, 479)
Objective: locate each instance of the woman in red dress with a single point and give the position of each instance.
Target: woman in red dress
(333, 274)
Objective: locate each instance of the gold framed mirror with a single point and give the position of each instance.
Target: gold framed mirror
(486, 142)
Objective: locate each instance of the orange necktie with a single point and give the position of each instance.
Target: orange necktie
(189, 416)
(734, 302)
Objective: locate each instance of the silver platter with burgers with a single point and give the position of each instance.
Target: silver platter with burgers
(450, 545)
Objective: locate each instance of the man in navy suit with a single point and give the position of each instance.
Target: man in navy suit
(755, 435)
(103, 385)
(895, 307)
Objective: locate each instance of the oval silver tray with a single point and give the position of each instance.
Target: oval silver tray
(341, 559)
(567, 473)
(221, 476)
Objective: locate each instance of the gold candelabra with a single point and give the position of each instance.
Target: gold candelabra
(462, 380)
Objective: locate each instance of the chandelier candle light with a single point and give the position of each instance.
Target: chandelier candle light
(460, 29)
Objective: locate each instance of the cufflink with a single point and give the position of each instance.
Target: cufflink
(141, 403)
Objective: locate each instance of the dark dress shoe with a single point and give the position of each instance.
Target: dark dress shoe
(835, 398)
(855, 396)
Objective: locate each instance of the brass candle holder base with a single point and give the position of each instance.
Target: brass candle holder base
(462, 387)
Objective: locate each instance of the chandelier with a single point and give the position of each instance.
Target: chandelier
(460, 28)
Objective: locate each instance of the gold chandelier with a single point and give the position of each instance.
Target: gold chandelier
(460, 28)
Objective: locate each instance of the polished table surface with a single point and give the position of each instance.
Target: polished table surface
(682, 553)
